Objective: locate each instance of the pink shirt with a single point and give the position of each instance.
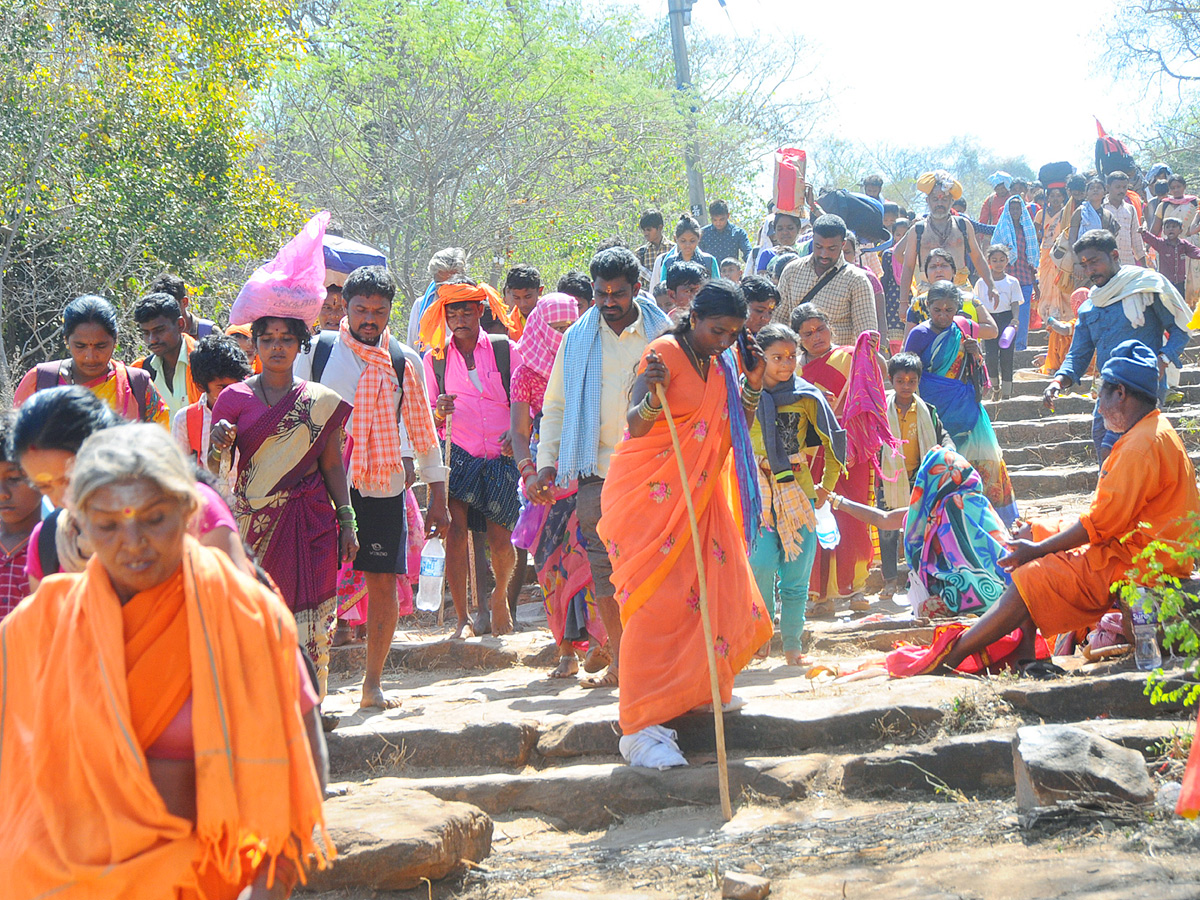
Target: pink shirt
(480, 416)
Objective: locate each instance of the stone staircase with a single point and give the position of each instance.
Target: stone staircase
(485, 740)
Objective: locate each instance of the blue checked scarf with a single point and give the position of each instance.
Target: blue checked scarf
(743, 450)
(583, 375)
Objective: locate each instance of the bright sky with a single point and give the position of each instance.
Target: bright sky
(1034, 56)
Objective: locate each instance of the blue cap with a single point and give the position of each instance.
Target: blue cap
(1134, 365)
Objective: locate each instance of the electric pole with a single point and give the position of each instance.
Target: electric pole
(679, 13)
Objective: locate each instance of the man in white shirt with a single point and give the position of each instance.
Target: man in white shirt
(378, 479)
(583, 413)
(1130, 246)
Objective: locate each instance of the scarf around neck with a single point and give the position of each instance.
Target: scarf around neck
(375, 454)
(583, 376)
(785, 394)
(1134, 288)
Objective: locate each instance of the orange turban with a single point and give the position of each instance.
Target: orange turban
(927, 182)
(243, 330)
(433, 333)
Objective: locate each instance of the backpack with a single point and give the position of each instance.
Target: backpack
(140, 381)
(862, 214)
(323, 346)
(1113, 156)
(1055, 174)
(47, 546)
(500, 348)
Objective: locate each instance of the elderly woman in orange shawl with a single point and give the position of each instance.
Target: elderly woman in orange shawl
(644, 524)
(174, 748)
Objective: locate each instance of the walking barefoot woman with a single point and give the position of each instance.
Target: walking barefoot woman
(644, 523)
(289, 469)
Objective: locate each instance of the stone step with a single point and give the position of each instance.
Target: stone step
(1036, 480)
(1029, 383)
(979, 763)
(513, 718)
(1076, 427)
(1076, 452)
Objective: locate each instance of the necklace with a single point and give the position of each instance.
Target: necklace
(261, 389)
(943, 237)
(701, 367)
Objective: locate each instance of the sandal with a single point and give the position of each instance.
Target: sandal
(859, 602)
(607, 680)
(1040, 669)
(597, 658)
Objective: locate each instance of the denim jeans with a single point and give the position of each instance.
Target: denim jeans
(1021, 342)
(767, 560)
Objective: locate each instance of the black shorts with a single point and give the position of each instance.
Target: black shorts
(382, 533)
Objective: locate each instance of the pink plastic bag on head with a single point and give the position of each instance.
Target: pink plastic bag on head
(292, 285)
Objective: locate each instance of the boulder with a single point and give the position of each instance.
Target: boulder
(389, 837)
(1060, 762)
(743, 886)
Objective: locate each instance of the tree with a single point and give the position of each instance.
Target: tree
(1159, 39)
(523, 130)
(126, 152)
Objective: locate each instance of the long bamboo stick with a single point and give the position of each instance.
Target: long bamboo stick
(714, 682)
(442, 605)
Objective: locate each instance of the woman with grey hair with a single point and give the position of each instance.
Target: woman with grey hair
(203, 768)
(443, 266)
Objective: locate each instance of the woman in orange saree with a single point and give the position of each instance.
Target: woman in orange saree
(644, 522)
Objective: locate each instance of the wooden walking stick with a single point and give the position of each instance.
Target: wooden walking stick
(442, 605)
(714, 682)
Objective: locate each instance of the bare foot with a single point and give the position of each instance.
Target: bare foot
(567, 667)
(764, 651)
(461, 631)
(343, 636)
(372, 698)
(597, 658)
(607, 680)
(482, 624)
(796, 658)
(501, 618)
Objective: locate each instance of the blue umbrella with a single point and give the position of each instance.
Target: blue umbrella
(344, 255)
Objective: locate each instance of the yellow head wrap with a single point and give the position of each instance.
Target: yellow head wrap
(926, 183)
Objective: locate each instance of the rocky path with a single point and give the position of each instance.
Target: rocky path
(504, 783)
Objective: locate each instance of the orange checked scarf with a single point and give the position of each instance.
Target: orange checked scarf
(375, 456)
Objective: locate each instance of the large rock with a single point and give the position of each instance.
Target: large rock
(389, 837)
(1060, 762)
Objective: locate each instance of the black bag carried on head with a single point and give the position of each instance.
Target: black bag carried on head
(862, 214)
(1113, 156)
(1055, 174)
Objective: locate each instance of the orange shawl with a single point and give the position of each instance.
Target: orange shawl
(82, 819)
(644, 524)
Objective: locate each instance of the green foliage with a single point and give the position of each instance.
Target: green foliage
(1177, 609)
(126, 151)
(523, 130)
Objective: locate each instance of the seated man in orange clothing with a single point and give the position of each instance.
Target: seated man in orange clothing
(1063, 581)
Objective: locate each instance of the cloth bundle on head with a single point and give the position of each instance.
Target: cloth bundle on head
(1006, 234)
(1134, 365)
(927, 182)
(292, 285)
(433, 332)
(998, 178)
(539, 342)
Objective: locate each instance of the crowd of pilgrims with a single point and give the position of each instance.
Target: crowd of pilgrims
(240, 497)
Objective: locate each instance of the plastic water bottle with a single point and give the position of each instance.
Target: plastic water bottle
(1146, 653)
(827, 527)
(1007, 335)
(433, 576)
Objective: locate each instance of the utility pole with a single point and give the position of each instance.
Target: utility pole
(679, 13)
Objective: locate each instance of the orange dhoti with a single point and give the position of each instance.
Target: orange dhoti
(644, 524)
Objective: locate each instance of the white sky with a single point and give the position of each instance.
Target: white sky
(1020, 59)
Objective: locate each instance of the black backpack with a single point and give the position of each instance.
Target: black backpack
(323, 346)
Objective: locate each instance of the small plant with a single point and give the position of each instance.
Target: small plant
(1177, 611)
